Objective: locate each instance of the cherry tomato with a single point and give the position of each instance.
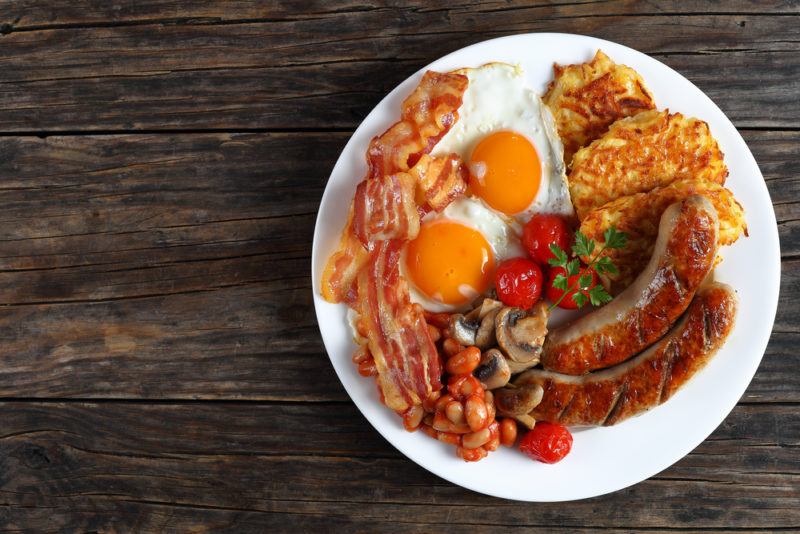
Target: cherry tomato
(553, 294)
(518, 282)
(547, 442)
(543, 230)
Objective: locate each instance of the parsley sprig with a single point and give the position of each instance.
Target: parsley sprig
(584, 247)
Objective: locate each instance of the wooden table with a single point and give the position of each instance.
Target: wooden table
(161, 165)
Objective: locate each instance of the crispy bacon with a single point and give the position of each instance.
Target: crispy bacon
(427, 114)
(408, 363)
(433, 107)
(338, 278)
(384, 208)
(440, 180)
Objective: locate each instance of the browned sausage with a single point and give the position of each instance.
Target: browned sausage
(684, 254)
(607, 397)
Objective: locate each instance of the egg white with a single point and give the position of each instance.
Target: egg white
(498, 231)
(498, 99)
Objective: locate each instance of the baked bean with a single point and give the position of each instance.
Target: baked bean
(488, 397)
(451, 347)
(462, 386)
(442, 402)
(413, 417)
(428, 429)
(381, 396)
(490, 411)
(473, 440)
(443, 424)
(475, 413)
(454, 411)
(493, 444)
(429, 404)
(494, 429)
(428, 419)
(361, 354)
(435, 333)
(367, 368)
(439, 320)
(447, 437)
(508, 432)
(471, 455)
(464, 362)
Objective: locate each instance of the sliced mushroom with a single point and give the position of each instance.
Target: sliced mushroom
(520, 334)
(518, 400)
(485, 336)
(526, 420)
(477, 327)
(493, 370)
(486, 307)
(518, 367)
(463, 329)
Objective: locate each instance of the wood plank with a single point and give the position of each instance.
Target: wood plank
(22, 15)
(100, 467)
(114, 248)
(291, 73)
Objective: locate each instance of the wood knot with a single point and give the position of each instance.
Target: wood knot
(6, 28)
(36, 457)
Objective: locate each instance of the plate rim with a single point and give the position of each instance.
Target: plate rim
(657, 467)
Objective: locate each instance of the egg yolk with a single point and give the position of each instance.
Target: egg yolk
(450, 262)
(505, 171)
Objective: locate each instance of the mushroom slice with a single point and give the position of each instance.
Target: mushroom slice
(485, 335)
(521, 334)
(476, 327)
(518, 367)
(526, 420)
(463, 329)
(486, 307)
(518, 400)
(493, 369)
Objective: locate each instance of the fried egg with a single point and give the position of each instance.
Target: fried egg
(452, 260)
(509, 140)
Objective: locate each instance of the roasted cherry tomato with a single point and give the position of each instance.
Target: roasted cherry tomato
(553, 294)
(518, 282)
(546, 442)
(543, 230)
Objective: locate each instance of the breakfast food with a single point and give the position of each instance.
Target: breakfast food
(642, 152)
(588, 97)
(507, 137)
(638, 215)
(610, 396)
(460, 242)
(684, 254)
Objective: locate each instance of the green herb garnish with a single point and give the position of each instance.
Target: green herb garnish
(600, 264)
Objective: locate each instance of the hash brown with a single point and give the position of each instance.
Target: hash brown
(638, 215)
(639, 153)
(587, 98)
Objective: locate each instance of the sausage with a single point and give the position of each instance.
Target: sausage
(684, 254)
(612, 395)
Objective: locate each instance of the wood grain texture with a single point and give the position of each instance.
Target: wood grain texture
(263, 67)
(220, 467)
(161, 166)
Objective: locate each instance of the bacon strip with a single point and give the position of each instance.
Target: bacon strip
(440, 180)
(384, 208)
(338, 278)
(408, 363)
(427, 114)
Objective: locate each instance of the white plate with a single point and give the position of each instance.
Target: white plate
(602, 459)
